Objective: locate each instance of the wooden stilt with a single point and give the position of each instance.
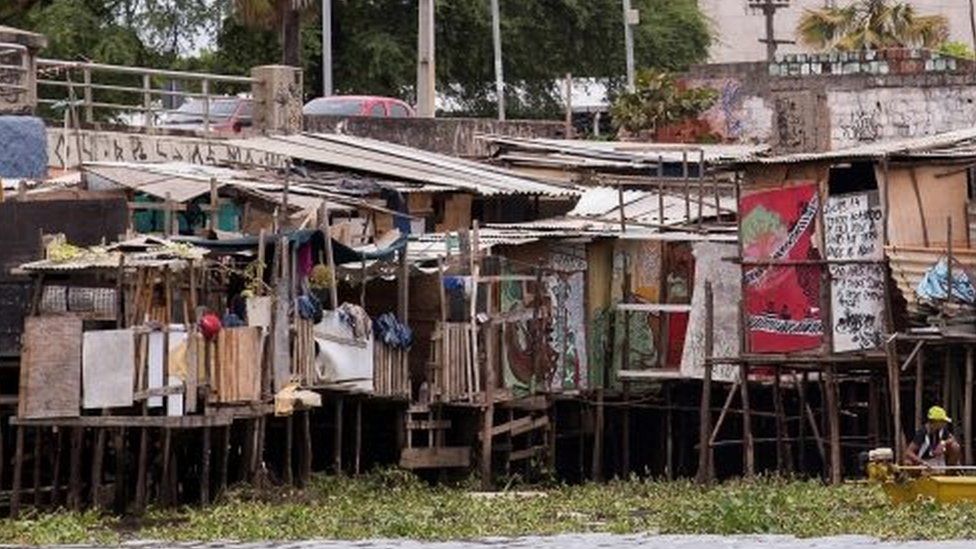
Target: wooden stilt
(98, 460)
(895, 388)
(833, 419)
(165, 487)
(74, 477)
(704, 475)
(142, 469)
(784, 461)
(668, 434)
(18, 473)
(725, 410)
(748, 449)
(205, 467)
(337, 434)
(946, 379)
(874, 403)
(625, 430)
(287, 474)
(247, 450)
(967, 414)
(118, 447)
(359, 437)
(919, 387)
(224, 461)
(36, 462)
(305, 463)
(58, 435)
(598, 438)
(801, 435)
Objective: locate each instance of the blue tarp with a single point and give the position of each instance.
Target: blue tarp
(934, 283)
(23, 147)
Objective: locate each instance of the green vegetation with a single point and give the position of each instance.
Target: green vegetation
(657, 101)
(375, 42)
(871, 24)
(395, 504)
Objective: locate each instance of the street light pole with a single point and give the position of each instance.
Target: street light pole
(629, 43)
(496, 34)
(327, 88)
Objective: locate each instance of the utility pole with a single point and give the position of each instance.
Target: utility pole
(631, 18)
(327, 88)
(768, 9)
(496, 35)
(426, 85)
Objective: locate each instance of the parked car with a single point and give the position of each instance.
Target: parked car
(228, 115)
(359, 105)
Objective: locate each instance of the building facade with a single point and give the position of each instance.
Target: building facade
(739, 28)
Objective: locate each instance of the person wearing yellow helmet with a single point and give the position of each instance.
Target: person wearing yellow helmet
(934, 444)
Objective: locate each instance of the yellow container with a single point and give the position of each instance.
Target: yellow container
(944, 489)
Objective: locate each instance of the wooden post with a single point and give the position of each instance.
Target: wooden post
(337, 436)
(224, 460)
(118, 446)
(36, 461)
(668, 433)
(801, 462)
(784, 461)
(833, 419)
(967, 415)
(287, 474)
(74, 479)
(166, 494)
(625, 430)
(919, 386)
(326, 225)
(359, 436)
(874, 402)
(205, 468)
(18, 473)
(305, 461)
(96, 467)
(142, 469)
(598, 438)
(403, 286)
(214, 204)
(748, 450)
(704, 409)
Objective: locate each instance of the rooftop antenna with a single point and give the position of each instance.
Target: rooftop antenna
(769, 8)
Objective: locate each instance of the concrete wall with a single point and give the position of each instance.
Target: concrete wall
(452, 136)
(808, 103)
(738, 29)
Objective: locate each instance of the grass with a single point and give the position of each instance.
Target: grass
(393, 504)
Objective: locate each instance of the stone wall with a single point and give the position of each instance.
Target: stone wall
(452, 136)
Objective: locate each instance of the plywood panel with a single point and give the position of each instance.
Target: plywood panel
(939, 197)
(108, 365)
(237, 371)
(50, 374)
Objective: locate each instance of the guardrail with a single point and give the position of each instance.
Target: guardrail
(111, 90)
(13, 73)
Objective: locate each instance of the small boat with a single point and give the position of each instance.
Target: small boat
(905, 484)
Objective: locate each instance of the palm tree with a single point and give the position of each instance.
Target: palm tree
(283, 14)
(871, 24)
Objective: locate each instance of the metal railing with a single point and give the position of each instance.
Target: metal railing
(96, 91)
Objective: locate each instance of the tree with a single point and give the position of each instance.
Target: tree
(871, 24)
(658, 101)
(285, 15)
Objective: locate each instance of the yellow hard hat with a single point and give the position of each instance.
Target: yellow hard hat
(938, 413)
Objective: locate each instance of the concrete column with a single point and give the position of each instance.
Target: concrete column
(19, 47)
(277, 99)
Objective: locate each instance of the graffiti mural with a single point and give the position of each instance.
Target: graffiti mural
(853, 231)
(782, 301)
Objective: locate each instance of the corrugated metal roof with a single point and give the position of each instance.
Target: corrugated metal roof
(143, 251)
(384, 159)
(618, 153)
(954, 144)
(178, 181)
(431, 246)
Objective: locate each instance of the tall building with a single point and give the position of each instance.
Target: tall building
(739, 28)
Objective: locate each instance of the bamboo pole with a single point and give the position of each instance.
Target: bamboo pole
(705, 415)
(919, 386)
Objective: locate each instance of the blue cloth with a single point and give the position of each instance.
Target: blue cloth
(935, 282)
(23, 147)
(391, 331)
(309, 308)
(231, 320)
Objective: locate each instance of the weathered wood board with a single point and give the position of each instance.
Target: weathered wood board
(50, 367)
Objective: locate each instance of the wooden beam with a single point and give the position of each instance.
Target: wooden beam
(435, 458)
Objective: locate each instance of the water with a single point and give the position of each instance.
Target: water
(587, 541)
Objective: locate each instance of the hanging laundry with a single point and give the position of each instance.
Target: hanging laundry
(391, 331)
(356, 318)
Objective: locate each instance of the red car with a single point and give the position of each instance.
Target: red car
(358, 105)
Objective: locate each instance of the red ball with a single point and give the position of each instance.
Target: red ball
(210, 325)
